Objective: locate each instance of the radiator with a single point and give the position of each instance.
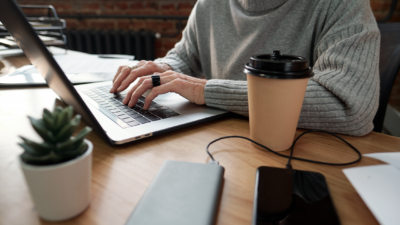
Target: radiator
(141, 44)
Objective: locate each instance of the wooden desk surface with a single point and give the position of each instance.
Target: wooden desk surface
(121, 174)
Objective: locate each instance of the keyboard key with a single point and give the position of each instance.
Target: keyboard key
(126, 110)
(152, 109)
(139, 103)
(170, 113)
(155, 105)
(127, 120)
(142, 120)
(150, 116)
(126, 116)
(132, 112)
(136, 108)
(134, 116)
(160, 114)
(162, 108)
(134, 123)
(122, 117)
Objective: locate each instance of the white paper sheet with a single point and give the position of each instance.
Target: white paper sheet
(379, 187)
(393, 158)
(72, 63)
(90, 64)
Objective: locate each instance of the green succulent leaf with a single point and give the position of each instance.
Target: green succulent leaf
(74, 142)
(66, 145)
(57, 111)
(48, 113)
(70, 112)
(82, 134)
(79, 150)
(62, 116)
(42, 160)
(56, 129)
(28, 149)
(49, 122)
(61, 120)
(36, 148)
(68, 130)
(41, 129)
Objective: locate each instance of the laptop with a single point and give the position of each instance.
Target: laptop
(104, 112)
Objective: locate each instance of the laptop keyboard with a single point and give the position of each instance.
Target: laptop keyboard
(126, 116)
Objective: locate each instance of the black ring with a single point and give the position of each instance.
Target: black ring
(156, 80)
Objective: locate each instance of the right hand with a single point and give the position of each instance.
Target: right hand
(125, 75)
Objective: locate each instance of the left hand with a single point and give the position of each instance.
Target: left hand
(189, 87)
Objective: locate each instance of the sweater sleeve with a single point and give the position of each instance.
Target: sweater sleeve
(184, 57)
(343, 95)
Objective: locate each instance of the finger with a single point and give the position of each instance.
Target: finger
(146, 69)
(130, 92)
(146, 85)
(172, 86)
(125, 72)
(163, 80)
(185, 77)
(118, 72)
(194, 92)
(122, 75)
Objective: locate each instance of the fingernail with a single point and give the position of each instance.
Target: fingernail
(120, 88)
(112, 90)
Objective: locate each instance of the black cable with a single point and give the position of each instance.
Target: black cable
(290, 157)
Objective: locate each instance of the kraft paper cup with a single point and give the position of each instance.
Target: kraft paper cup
(276, 89)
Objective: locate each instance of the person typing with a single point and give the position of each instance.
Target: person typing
(340, 38)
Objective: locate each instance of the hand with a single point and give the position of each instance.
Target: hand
(189, 87)
(125, 75)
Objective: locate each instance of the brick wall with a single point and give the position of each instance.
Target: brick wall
(123, 7)
(163, 7)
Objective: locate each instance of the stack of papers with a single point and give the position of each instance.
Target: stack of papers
(78, 67)
(379, 186)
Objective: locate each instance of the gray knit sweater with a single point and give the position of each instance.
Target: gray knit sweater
(340, 38)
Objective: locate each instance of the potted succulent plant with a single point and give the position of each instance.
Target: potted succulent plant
(58, 170)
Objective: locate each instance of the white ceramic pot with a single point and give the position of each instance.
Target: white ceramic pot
(61, 191)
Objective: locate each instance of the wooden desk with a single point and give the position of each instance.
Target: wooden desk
(122, 174)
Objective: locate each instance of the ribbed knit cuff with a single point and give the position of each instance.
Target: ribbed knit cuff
(228, 95)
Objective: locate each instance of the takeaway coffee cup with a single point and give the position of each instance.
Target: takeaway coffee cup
(276, 88)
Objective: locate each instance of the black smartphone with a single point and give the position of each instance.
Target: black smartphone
(285, 196)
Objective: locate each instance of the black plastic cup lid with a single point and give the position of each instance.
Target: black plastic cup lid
(278, 66)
